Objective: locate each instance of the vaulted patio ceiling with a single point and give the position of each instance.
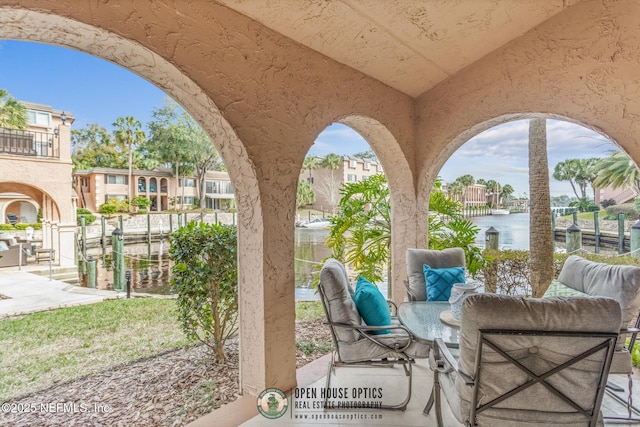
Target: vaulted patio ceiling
(408, 45)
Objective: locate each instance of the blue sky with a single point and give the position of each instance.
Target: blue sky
(97, 91)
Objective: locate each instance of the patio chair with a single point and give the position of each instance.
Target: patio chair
(356, 344)
(12, 218)
(527, 362)
(417, 258)
(622, 283)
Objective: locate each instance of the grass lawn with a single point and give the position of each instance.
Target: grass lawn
(586, 215)
(39, 349)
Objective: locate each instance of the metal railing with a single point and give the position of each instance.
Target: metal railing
(29, 143)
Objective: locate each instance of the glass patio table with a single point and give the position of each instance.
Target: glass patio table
(422, 319)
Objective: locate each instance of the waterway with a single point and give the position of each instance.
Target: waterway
(151, 266)
(513, 229)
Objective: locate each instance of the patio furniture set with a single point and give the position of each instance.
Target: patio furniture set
(508, 360)
(11, 248)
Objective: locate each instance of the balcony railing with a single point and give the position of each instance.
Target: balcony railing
(29, 143)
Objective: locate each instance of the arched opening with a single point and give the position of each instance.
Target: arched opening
(258, 364)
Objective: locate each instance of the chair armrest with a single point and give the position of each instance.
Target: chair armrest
(442, 353)
(363, 329)
(629, 330)
(392, 307)
(410, 294)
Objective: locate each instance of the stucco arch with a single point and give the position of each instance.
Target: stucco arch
(35, 26)
(41, 197)
(401, 187)
(262, 98)
(563, 69)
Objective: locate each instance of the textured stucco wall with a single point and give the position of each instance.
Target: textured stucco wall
(263, 99)
(581, 65)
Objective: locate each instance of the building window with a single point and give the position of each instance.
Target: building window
(116, 179)
(38, 118)
(352, 164)
(367, 166)
(187, 182)
(364, 177)
(115, 196)
(186, 200)
(352, 177)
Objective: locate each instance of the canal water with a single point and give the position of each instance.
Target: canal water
(151, 266)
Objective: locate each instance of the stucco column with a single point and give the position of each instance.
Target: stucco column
(46, 233)
(66, 244)
(55, 241)
(266, 300)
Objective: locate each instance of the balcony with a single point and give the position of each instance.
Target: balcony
(29, 143)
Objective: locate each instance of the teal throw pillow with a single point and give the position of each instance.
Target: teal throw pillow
(441, 280)
(372, 305)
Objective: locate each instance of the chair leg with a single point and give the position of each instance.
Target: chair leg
(429, 404)
(436, 394)
(611, 391)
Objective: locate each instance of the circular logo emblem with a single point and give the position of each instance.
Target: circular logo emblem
(272, 403)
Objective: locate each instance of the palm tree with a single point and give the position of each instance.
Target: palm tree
(332, 162)
(465, 180)
(618, 170)
(456, 190)
(12, 113)
(541, 242)
(129, 132)
(507, 190)
(578, 172)
(310, 163)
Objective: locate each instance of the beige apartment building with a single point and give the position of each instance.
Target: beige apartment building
(326, 182)
(474, 196)
(97, 185)
(35, 174)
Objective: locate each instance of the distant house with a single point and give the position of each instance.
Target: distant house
(35, 178)
(620, 195)
(475, 195)
(327, 189)
(97, 185)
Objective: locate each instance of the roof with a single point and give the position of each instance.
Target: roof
(166, 172)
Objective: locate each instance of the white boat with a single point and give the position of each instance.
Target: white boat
(317, 223)
(500, 212)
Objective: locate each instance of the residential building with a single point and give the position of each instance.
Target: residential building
(35, 175)
(326, 182)
(619, 195)
(166, 191)
(475, 195)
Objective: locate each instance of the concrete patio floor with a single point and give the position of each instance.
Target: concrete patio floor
(392, 382)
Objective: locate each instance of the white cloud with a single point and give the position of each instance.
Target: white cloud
(500, 153)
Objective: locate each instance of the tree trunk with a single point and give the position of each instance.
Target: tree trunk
(541, 240)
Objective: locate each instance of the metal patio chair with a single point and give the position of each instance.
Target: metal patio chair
(416, 258)
(354, 342)
(527, 362)
(622, 283)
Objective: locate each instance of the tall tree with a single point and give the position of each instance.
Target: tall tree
(618, 171)
(93, 146)
(465, 181)
(507, 190)
(540, 233)
(579, 173)
(176, 138)
(366, 155)
(128, 131)
(12, 113)
(306, 195)
(331, 188)
(310, 163)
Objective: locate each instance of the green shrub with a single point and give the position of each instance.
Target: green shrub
(89, 217)
(107, 209)
(141, 202)
(628, 209)
(6, 227)
(142, 211)
(205, 277)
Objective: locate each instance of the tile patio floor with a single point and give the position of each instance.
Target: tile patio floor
(393, 388)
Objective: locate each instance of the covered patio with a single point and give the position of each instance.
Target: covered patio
(416, 79)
